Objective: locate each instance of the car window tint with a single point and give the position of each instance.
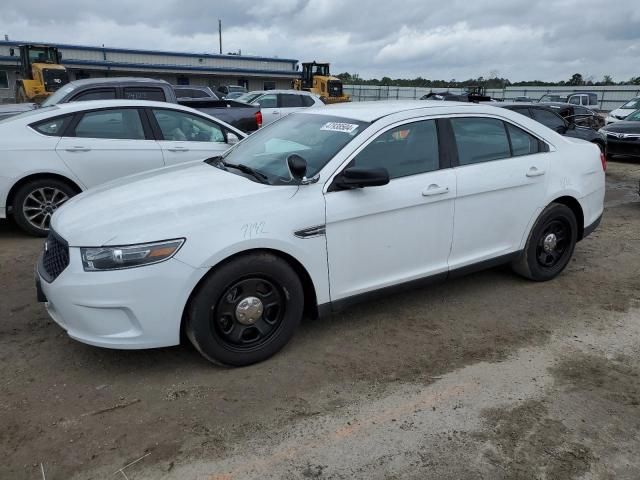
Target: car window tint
(291, 101)
(405, 150)
(480, 140)
(54, 127)
(112, 123)
(267, 101)
(522, 143)
(575, 100)
(523, 111)
(307, 101)
(101, 94)
(137, 93)
(182, 126)
(547, 118)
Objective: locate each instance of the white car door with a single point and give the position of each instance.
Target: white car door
(386, 235)
(269, 107)
(501, 183)
(185, 137)
(109, 143)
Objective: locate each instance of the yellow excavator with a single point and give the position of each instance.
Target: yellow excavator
(317, 80)
(41, 73)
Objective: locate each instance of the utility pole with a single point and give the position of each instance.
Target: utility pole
(220, 34)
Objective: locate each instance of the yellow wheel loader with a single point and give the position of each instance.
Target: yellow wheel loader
(317, 80)
(41, 73)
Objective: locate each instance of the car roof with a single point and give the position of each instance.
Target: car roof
(371, 111)
(283, 90)
(108, 80)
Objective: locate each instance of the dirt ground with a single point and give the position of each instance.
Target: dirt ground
(484, 377)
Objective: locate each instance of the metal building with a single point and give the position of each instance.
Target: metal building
(255, 73)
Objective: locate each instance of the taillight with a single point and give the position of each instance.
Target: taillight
(603, 159)
(259, 119)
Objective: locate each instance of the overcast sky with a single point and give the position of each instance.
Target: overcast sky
(518, 39)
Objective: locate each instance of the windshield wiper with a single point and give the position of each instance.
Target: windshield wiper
(261, 177)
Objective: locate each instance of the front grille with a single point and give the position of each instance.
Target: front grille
(54, 79)
(335, 88)
(55, 257)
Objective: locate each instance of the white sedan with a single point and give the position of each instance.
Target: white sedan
(320, 209)
(50, 154)
(276, 104)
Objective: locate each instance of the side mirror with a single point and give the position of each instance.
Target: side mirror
(232, 138)
(360, 177)
(297, 166)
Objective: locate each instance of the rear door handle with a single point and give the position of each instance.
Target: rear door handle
(434, 189)
(534, 172)
(178, 149)
(276, 112)
(78, 149)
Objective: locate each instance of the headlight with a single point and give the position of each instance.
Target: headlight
(130, 256)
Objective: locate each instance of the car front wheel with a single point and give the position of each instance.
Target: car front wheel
(246, 310)
(550, 244)
(35, 202)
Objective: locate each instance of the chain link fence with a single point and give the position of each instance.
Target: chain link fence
(609, 98)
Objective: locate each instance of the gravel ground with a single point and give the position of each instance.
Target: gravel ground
(487, 376)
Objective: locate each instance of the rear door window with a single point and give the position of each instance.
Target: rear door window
(139, 93)
(95, 94)
(290, 101)
(480, 140)
(112, 123)
(307, 101)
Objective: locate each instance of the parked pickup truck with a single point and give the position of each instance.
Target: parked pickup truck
(247, 118)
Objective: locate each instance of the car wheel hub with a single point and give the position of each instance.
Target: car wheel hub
(550, 243)
(249, 310)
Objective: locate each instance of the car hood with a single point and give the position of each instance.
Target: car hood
(160, 204)
(621, 112)
(623, 127)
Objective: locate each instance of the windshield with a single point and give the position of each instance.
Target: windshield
(634, 117)
(632, 105)
(316, 138)
(59, 95)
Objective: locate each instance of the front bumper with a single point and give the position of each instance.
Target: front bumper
(124, 309)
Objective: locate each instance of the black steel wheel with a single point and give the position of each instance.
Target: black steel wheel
(245, 310)
(550, 244)
(248, 313)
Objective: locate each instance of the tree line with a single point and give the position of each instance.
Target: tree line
(576, 80)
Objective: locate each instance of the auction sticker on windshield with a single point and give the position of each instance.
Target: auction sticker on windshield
(339, 127)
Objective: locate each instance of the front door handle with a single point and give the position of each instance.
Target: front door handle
(276, 112)
(434, 189)
(178, 149)
(534, 172)
(78, 149)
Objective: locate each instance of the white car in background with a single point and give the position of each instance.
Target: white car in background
(320, 209)
(49, 154)
(275, 104)
(624, 111)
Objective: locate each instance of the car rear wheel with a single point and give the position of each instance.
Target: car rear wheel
(35, 202)
(246, 310)
(550, 244)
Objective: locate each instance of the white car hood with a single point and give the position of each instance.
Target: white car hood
(161, 204)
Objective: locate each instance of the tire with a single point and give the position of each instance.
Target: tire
(215, 325)
(35, 202)
(541, 261)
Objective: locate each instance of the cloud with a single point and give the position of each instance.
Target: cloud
(458, 39)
